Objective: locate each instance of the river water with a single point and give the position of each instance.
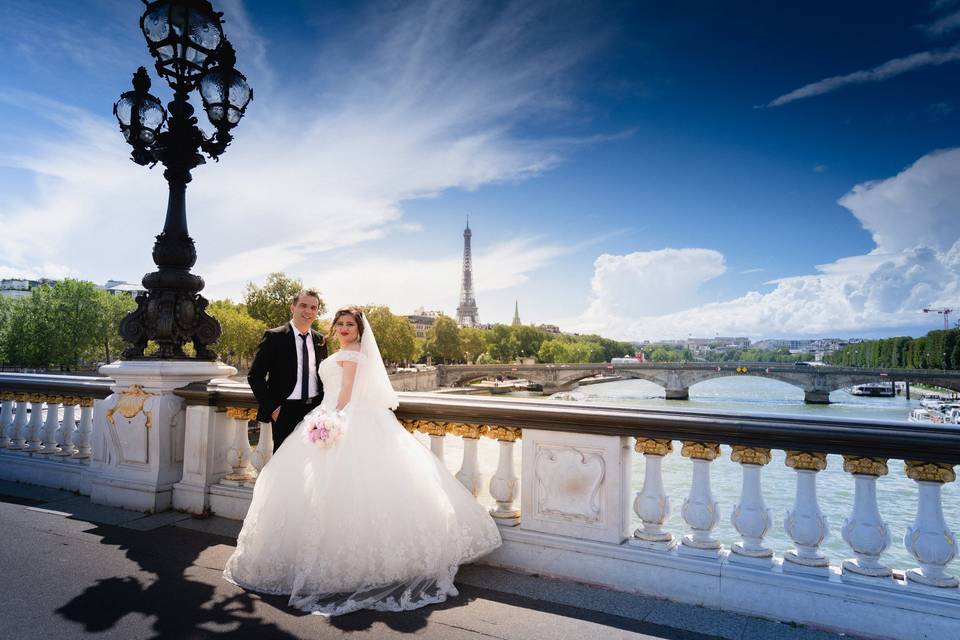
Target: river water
(897, 493)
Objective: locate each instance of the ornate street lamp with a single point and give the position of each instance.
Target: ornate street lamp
(186, 39)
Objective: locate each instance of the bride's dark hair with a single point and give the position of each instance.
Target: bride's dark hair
(357, 314)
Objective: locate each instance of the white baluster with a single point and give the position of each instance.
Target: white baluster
(750, 516)
(700, 511)
(436, 445)
(652, 504)
(65, 436)
(505, 485)
(239, 453)
(865, 531)
(264, 451)
(84, 429)
(18, 431)
(35, 426)
(469, 474)
(805, 523)
(6, 419)
(929, 539)
(50, 425)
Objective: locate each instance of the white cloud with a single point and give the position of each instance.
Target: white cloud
(913, 217)
(944, 24)
(918, 206)
(422, 100)
(885, 71)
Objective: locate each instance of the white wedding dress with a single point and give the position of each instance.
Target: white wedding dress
(374, 522)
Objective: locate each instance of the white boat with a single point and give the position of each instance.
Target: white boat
(936, 412)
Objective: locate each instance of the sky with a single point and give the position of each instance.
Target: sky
(642, 170)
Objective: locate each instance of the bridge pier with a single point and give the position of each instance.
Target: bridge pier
(816, 396)
(682, 393)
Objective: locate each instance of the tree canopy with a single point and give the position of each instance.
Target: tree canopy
(270, 303)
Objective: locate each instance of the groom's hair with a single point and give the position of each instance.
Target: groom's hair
(305, 292)
(357, 314)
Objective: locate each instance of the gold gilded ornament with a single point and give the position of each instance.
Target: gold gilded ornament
(750, 455)
(503, 434)
(700, 450)
(865, 466)
(930, 471)
(809, 460)
(653, 446)
(130, 403)
(472, 431)
(242, 413)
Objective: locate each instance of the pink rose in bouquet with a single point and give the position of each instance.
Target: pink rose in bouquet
(323, 428)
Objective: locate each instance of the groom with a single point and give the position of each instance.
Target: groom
(283, 375)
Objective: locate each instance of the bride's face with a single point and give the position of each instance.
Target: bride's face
(346, 329)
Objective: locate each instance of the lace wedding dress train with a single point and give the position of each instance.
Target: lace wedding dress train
(374, 522)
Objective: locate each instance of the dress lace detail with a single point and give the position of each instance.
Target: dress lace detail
(376, 522)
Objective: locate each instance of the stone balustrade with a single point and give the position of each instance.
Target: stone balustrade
(46, 426)
(570, 509)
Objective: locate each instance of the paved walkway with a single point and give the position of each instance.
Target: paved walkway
(72, 569)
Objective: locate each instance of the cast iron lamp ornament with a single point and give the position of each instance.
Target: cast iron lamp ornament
(186, 39)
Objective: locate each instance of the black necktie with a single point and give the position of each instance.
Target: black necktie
(305, 369)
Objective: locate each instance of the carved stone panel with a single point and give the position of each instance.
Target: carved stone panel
(576, 485)
(569, 482)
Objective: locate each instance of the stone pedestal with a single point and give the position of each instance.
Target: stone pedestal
(138, 432)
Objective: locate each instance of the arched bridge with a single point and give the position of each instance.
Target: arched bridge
(677, 378)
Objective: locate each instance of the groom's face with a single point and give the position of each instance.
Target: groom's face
(305, 310)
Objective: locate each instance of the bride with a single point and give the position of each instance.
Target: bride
(373, 522)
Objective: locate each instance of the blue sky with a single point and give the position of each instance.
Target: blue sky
(631, 168)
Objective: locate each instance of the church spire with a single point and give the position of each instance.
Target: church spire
(516, 312)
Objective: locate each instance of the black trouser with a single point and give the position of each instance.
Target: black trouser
(291, 413)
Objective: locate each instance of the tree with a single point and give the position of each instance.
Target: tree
(502, 343)
(555, 350)
(241, 332)
(443, 340)
(473, 342)
(31, 329)
(395, 335)
(76, 314)
(528, 339)
(111, 310)
(5, 307)
(271, 302)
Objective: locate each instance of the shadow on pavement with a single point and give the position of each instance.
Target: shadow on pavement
(180, 605)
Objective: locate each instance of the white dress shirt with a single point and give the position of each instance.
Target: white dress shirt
(312, 390)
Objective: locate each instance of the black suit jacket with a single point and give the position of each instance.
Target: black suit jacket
(274, 373)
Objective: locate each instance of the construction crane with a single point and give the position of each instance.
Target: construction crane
(945, 313)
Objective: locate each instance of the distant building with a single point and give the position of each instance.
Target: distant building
(116, 287)
(422, 320)
(516, 313)
(21, 287)
(549, 328)
(467, 310)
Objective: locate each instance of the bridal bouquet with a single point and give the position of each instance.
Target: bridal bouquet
(323, 429)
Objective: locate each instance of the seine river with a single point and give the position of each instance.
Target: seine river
(897, 493)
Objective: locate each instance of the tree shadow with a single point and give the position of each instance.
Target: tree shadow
(180, 605)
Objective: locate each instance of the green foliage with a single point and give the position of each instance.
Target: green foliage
(936, 350)
(395, 335)
(6, 305)
(112, 309)
(76, 311)
(271, 303)
(443, 341)
(502, 345)
(241, 332)
(528, 339)
(569, 349)
(473, 343)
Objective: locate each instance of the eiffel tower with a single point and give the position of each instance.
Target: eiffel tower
(467, 311)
